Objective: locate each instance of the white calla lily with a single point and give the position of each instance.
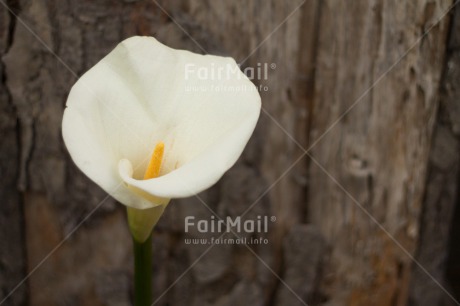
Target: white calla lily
(201, 107)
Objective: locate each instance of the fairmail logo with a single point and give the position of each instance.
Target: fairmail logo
(237, 225)
(226, 72)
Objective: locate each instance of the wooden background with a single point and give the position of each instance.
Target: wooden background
(356, 154)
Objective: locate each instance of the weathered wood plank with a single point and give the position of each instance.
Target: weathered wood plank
(378, 151)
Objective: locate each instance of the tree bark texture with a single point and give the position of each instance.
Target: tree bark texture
(356, 155)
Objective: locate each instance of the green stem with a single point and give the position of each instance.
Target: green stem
(143, 272)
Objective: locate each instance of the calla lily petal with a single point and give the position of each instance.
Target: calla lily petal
(144, 92)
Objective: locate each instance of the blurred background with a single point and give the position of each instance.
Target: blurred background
(356, 155)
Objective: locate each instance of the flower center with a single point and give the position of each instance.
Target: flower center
(153, 169)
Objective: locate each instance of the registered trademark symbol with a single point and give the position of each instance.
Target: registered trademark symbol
(273, 218)
(273, 66)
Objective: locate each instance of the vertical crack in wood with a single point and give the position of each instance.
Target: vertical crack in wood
(309, 92)
(436, 247)
(13, 254)
(304, 101)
